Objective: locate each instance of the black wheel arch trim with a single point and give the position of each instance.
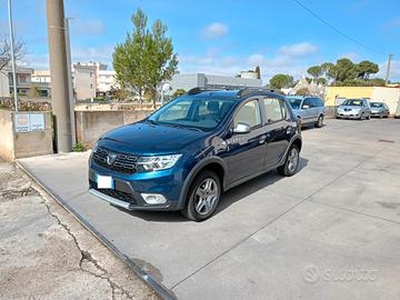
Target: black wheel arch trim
(194, 172)
(294, 139)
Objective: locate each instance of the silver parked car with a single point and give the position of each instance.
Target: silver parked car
(308, 109)
(354, 109)
(379, 109)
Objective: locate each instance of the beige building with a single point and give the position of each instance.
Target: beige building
(84, 81)
(106, 81)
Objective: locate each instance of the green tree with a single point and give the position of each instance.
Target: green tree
(344, 70)
(178, 92)
(366, 68)
(146, 58)
(280, 81)
(315, 71)
(303, 92)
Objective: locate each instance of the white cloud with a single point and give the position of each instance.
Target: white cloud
(394, 70)
(393, 24)
(215, 30)
(38, 62)
(101, 54)
(288, 59)
(298, 50)
(354, 57)
(86, 27)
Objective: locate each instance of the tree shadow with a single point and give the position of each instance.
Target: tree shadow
(228, 198)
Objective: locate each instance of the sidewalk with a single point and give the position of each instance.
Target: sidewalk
(46, 254)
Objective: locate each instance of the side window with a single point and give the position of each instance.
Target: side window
(307, 102)
(275, 109)
(249, 114)
(319, 102)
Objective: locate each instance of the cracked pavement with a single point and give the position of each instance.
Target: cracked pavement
(46, 254)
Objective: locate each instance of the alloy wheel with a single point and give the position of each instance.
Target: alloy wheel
(293, 160)
(206, 195)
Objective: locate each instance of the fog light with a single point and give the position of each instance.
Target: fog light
(154, 198)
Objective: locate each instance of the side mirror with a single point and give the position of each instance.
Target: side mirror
(305, 106)
(242, 128)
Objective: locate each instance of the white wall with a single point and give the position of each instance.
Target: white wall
(389, 95)
(4, 86)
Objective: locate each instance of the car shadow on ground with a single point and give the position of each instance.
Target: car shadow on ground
(230, 197)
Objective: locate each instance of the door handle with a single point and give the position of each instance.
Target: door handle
(262, 139)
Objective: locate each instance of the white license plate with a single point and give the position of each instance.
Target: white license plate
(104, 182)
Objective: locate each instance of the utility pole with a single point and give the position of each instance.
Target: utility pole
(70, 88)
(12, 49)
(59, 75)
(388, 69)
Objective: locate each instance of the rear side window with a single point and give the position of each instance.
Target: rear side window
(275, 109)
(318, 102)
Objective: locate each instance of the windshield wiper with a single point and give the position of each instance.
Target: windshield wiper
(183, 127)
(152, 121)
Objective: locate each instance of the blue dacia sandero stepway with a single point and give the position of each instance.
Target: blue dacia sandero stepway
(185, 154)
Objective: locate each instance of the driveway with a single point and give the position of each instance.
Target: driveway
(332, 231)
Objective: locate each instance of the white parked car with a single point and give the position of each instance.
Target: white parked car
(354, 109)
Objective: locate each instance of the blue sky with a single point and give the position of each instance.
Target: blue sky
(225, 37)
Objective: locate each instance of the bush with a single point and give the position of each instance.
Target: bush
(79, 147)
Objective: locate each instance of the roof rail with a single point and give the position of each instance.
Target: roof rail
(250, 90)
(194, 91)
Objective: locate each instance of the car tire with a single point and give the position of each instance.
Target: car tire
(203, 197)
(369, 117)
(291, 164)
(320, 122)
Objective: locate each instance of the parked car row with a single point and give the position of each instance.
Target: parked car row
(361, 109)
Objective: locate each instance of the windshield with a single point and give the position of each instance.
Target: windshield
(376, 104)
(295, 103)
(353, 102)
(204, 114)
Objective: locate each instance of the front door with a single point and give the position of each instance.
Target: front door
(245, 156)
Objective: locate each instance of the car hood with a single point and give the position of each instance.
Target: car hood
(150, 138)
(349, 107)
(376, 109)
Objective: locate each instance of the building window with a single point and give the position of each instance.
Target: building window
(91, 86)
(91, 74)
(22, 78)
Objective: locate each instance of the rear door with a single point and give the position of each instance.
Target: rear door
(278, 129)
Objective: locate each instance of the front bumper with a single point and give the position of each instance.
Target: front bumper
(348, 115)
(127, 192)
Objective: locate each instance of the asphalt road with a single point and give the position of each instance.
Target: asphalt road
(332, 231)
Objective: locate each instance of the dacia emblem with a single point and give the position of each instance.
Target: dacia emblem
(111, 157)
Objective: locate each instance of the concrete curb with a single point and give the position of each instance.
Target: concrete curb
(160, 289)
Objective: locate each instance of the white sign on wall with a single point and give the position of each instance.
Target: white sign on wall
(28, 122)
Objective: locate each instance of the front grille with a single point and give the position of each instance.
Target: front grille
(119, 162)
(114, 193)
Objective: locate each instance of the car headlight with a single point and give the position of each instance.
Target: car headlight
(95, 147)
(157, 163)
